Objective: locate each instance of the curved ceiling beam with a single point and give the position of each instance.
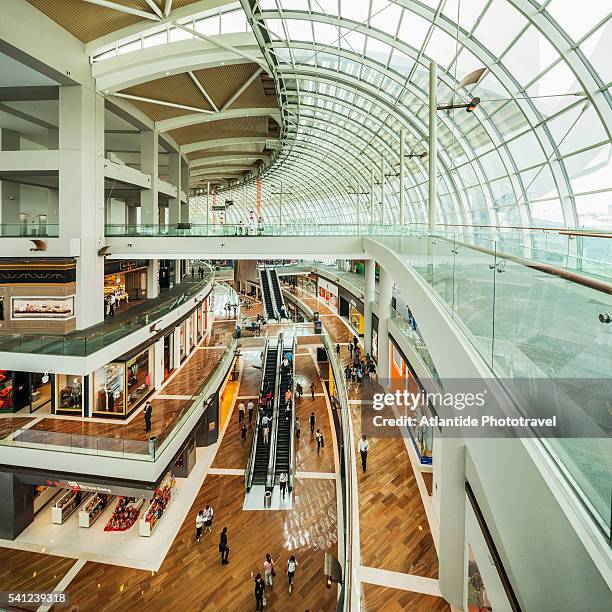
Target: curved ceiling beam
(128, 69)
(194, 118)
(206, 161)
(220, 170)
(203, 145)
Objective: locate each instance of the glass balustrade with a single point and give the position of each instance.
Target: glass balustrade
(39, 229)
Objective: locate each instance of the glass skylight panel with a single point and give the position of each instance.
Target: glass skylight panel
(352, 40)
(550, 93)
(385, 16)
(401, 63)
(530, 55)
(131, 46)
(469, 11)
(579, 20)
(598, 49)
(267, 4)
(294, 5)
(499, 26)
(356, 10)
(591, 170)
(413, 29)
(275, 26)
(325, 33)
(299, 29)
(155, 39)
(327, 7)
(441, 47)
(234, 21)
(210, 26)
(378, 50)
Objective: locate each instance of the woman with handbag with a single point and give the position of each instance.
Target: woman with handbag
(269, 571)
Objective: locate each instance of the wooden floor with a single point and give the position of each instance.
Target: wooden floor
(375, 598)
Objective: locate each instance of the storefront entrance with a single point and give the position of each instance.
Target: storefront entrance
(24, 390)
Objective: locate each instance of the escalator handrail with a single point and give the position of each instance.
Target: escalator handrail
(264, 274)
(276, 284)
(272, 295)
(250, 467)
(291, 473)
(271, 475)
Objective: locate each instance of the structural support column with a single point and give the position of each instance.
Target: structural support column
(402, 174)
(384, 310)
(81, 194)
(371, 197)
(433, 143)
(369, 295)
(184, 187)
(153, 278)
(149, 163)
(382, 190)
(174, 176)
(10, 192)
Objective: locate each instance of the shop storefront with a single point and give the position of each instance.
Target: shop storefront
(353, 309)
(121, 386)
(168, 354)
(69, 390)
(403, 378)
(374, 338)
(328, 294)
(126, 279)
(24, 391)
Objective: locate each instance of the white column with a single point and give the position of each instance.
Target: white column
(174, 176)
(10, 192)
(371, 197)
(176, 346)
(149, 163)
(382, 190)
(153, 279)
(184, 185)
(402, 175)
(369, 296)
(433, 142)
(244, 207)
(177, 271)
(449, 475)
(158, 375)
(81, 194)
(384, 309)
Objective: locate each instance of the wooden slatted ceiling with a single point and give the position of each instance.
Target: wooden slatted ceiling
(88, 21)
(227, 128)
(254, 148)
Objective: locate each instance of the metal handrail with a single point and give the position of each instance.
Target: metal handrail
(248, 472)
(272, 296)
(271, 476)
(291, 474)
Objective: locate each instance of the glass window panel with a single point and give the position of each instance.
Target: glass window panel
(155, 39)
(598, 48)
(543, 213)
(584, 130)
(547, 91)
(352, 40)
(299, 30)
(468, 11)
(529, 56)
(385, 16)
(499, 26)
(354, 10)
(590, 170)
(538, 183)
(578, 20)
(441, 47)
(401, 63)
(295, 5)
(133, 46)
(235, 21)
(594, 210)
(526, 150)
(466, 63)
(508, 118)
(377, 50)
(325, 34)
(328, 7)
(492, 165)
(209, 26)
(275, 26)
(413, 29)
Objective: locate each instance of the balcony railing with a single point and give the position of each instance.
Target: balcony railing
(29, 230)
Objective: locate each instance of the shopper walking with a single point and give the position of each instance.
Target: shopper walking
(112, 300)
(350, 349)
(298, 390)
(241, 412)
(312, 390)
(148, 413)
(199, 523)
(311, 420)
(224, 547)
(338, 350)
(208, 518)
(290, 570)
(298, 428)
(260, 592)
(282, 483)
(243, 433)
(250, 407)
(269, 570)
(319, 438)
(266, 433)
(355, 342)
(364, 447)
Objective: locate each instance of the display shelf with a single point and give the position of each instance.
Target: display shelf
(125, 514)
(157, 507)
(92, 510)
(66, 505)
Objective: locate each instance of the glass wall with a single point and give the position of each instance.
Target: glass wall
(68, 393)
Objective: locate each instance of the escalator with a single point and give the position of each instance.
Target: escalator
(261, 455)
(276, 292)
(284, 435)
(266, 292)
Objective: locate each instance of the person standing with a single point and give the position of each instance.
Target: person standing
(338, 350)
(199, 522)
(312, 390)
(288, 397)
(260, 592)
(350, 349)
(240, 412)
(298, 429)
(250, 407)
(223, 547)
(148, 413)
(298, 390)
(208, 518)
(319, 438)
(111, 302)
(290, 571)
(269, 571)
(243, 433)
(355, 342)
(282, 483)
(364, 447)
(311, 420)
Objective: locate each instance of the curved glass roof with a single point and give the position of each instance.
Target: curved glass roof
(351, 73)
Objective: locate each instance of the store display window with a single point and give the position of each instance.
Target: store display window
(33, 308)
(109, 389)
(356, 319)
(68, 393)
(199, 320)
(6, 391)
(183, 339)
(139, 372)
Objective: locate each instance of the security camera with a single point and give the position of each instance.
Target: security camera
(604, 317)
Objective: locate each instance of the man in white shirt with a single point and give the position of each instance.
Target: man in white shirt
(240, 412)
(250, 408)
(364, 446)
(199, 525)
